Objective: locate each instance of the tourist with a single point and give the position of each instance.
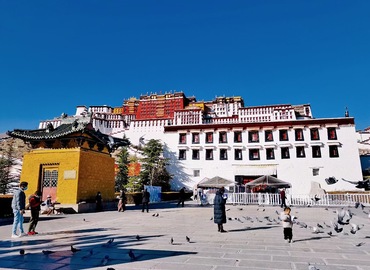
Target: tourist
(287, 224)
(47, 207)
(34, 203)
(19, 207)
(99, 202)
(283, 198)
(145, 200)
(219, 209)
(181, 197)
(122, 201)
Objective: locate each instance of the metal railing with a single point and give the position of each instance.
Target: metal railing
(295, 199)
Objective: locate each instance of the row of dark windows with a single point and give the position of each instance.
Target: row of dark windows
(255, 154)
(254, 137)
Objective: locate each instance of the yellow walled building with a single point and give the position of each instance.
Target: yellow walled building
(71, 163)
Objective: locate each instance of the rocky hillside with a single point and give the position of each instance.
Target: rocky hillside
(18, 145)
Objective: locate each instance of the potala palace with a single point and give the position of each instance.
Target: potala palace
(224, 138)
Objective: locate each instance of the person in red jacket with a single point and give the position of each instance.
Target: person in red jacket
(34, 202)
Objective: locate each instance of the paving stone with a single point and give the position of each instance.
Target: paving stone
(247, 245)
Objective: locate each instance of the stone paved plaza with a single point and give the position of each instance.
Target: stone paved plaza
(246, 245)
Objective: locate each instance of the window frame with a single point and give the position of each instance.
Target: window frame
(332, 133)
(182, 154)
(301, 154)
(299, 136)
(238, 138)
(253, 136)
(209, 154)
(238, 154)
(195, 138)
(222, 137)
(182, 138)
(195, 154)
(254, 154)
(283, 135)
(285, 153)
(314, 134)
(268, 151)
(333, 151)
(209, 137)
(269, 133)
(223, 154)
(318, 149)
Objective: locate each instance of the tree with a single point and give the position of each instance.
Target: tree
(7, 161)
(154, 171)
(123, 163)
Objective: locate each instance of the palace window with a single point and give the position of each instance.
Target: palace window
(283, 135)
(333, 151)
(237, 136)
(196, 173)
(209, 137)
(182, 154)
(253, 136)
(238, 154)
(195, 154)
(209, 154)
(182, 138)
(268, 136)
(223, 154)
(299, 134)
(314, 134)
(285, 153)
(223, 137)
(316, 151)
(300, 152)
(270, 153)
(195, 137)
(254, 154)
(332, 134)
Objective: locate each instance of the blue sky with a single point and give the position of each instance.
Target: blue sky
(55, 55)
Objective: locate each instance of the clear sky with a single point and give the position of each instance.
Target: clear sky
(55, 55)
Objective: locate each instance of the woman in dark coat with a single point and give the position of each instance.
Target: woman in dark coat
(219, 209)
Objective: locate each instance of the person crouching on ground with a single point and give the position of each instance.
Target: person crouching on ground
(287, 224)
(219, 209)
(34, 202)
(19, 207)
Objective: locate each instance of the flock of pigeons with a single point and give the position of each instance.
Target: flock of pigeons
(342, 220)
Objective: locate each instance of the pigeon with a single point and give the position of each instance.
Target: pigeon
(104, 261)
(343, 217)
(22, 252)
(211, 218)
(110, 241)
(171, 241)
(47, 252)
(355, 228)
(327, 226)
(330, 233)
(73, 249)
(316, 198)
(137, 237)
(320, 226)
(362, 206)
(360, 244)
(157, 214)
(187, 239)
(357, 204)
(228, 209)
(110, 268)
(336, 228)
(132, 255)
(312, 267)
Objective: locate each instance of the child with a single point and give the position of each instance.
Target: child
(287, 225)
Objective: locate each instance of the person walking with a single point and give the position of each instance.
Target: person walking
(122, 201)
(19, 207)
(99, 202)
(287, 222)
(283, 198)
(145, 200)
(219, 209)
(34, 202)
(181, 197)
